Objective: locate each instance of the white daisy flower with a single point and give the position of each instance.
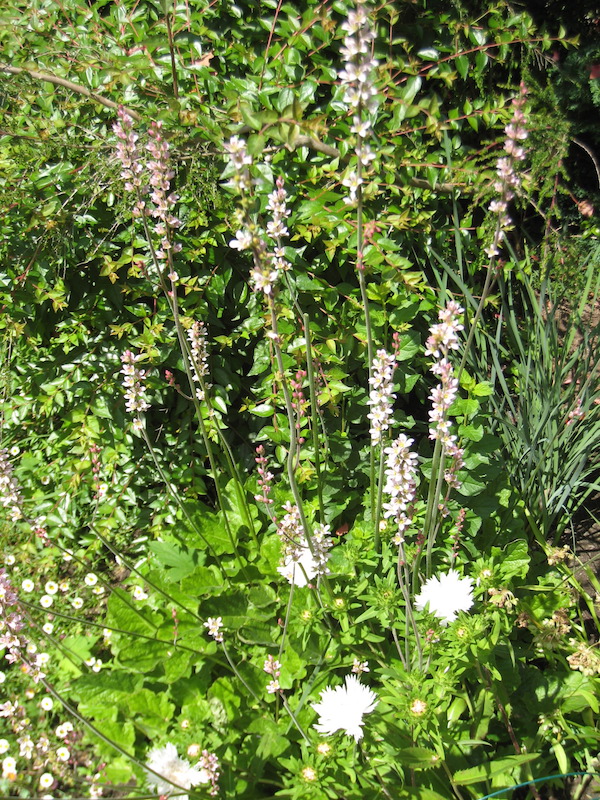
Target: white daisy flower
(445, 596)
(343, 708)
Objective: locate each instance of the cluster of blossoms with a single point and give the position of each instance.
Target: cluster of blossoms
(400, 485)
(272, 667)
(150, 180)
(51, 589)
(550, 633)
(265, 477)
(359, 90)
(173, 772)
(300, 564)
(134, 385)
(269, 261)
(132, 168)
(41, 753)
(241, 161)
(585, 659)
(15, 645)
(381, 396)
(10, 495)
(358, 666)
(163, 201)
(443, 337)
(508, 180)
(445, 596)
(344, 707)
(199, 355)
(214, 625)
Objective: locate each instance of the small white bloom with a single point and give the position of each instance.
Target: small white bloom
(28, 585)
(172, 770)
(63, 730)
(214, 625)
(343, 708)
(446, 596)
(51, 587)
(90, 579)
(242, 241)
(4, 746)
(9, 768)
(48, 628)
(139, 594)
(9, 560)
(46, 780)
(46, 600)
(77, 603)
(47, 703)
(63, 754)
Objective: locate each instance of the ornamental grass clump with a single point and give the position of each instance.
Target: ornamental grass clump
(308, 573)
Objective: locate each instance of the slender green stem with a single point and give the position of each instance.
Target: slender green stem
(430, 509)
(489, 280)
(432, 528)
(237, 674)
(360, 269)
(313, 412)
(286, 705)
(286, 621)
(451, 780)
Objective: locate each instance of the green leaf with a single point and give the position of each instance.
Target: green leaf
(410, 345)
(178, 562)
(462, 65)
(484, 772)
(420, 793)
(483, 389)
(417, 758)
(270, 741)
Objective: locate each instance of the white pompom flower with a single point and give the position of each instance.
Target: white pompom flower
(445, 596)
(344, 707)
(172, 770)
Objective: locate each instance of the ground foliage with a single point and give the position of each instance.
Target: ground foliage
(167, 544)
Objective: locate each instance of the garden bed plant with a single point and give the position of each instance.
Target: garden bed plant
(272, 459)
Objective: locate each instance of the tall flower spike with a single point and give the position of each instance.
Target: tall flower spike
(357, 78)
(508, 178)
(199, 356)
(134, 386)
(443, 337)
(163, 200)
(381, 396)
(10, 494)
(401, 484)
